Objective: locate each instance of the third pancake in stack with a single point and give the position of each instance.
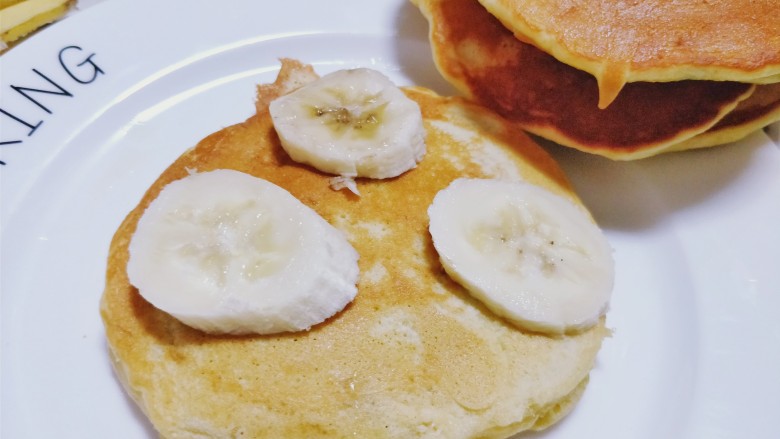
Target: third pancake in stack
(510, 60)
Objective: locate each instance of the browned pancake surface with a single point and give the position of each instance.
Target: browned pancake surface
(484, 60)
(755, 112)
(412, 356)
(622, 41)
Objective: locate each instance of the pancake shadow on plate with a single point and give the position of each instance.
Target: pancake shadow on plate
(413, 51)
(640, 194)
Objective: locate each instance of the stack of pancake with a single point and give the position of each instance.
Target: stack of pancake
(622, 79)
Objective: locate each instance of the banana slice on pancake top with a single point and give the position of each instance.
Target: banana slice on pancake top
(353, 123)
(529, 255)
(226, 252)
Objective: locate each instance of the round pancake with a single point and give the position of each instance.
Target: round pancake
(621, 41)
(759, 110)
(482, 59)
(413, 356)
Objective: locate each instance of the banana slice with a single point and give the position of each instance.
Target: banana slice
(226, 252)
(529, 255)
(353, 123)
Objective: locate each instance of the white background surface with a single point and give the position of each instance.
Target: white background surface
(696, 308)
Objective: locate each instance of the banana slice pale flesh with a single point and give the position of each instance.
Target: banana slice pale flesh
(352, 123)
(529, 255)
(226, 252)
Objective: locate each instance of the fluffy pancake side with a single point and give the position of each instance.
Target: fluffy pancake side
(485, 61)
(413, 356)
(620, 42)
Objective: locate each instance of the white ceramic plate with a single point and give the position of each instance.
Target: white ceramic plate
(696, 309)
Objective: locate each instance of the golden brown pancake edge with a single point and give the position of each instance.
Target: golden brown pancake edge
(759, 110)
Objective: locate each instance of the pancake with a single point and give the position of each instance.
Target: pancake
(20, 18)
(620, 41)
(485, 62)
(759, 110)
(412, 356)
